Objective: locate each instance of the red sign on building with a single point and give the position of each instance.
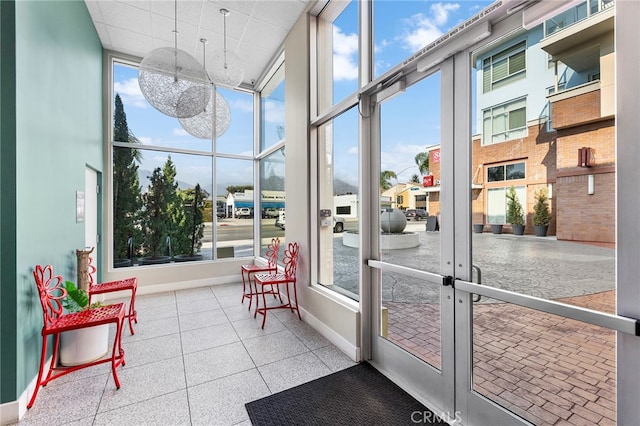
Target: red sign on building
(435, 156)
(427, 180)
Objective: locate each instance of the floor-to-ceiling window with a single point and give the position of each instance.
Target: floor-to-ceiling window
(271, 159)
(179, 193)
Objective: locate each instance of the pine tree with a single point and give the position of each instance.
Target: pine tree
(127, 202)
(155, 217)
(515, 211)
(541, 215)
(175, 214)
(193, 225)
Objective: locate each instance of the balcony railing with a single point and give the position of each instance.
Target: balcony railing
(576, 14)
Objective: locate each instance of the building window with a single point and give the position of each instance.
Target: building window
(505, 172)
(346, 210)
(504, 67)
(505, 122)
(497, 203)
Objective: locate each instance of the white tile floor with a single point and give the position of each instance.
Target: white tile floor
(197, 357)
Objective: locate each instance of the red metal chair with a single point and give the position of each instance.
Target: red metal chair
(51, 293)
(275, 280)
(272, 266)
(128, 284)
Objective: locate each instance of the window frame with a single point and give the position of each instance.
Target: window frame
(490, 63)
(509, 133)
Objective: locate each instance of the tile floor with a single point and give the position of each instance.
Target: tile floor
(197, 357)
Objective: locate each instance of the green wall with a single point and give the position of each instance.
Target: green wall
(7, 202)
(58, 116)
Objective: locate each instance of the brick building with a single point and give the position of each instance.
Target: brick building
(546, 119)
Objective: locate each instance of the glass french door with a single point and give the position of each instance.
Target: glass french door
(483, 325)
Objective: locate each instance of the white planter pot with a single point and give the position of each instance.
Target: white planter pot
(84, 345)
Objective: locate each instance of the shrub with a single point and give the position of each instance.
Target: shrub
(515, 212)
(541, 215)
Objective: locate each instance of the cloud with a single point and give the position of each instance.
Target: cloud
(241, 105)
(345, 55)
(424, 29)
(144, 140)
(130, 93)
(400, 157)
(353, 150)
(179, 131)
(274, 112)
(441, 12)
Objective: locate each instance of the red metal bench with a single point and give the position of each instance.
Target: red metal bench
(51, 293)
(248, 292)
(127, 284)
(274, 280)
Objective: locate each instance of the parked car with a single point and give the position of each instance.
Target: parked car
(220, 213)
(280, 219)
(270, 213)
(415, 214)
(338, 222)
(244, 212)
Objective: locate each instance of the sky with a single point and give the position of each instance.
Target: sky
(410, 121)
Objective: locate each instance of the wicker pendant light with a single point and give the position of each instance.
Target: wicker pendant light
(227, 70)
(173, 81)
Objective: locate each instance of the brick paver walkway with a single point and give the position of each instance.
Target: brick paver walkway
(549, 370)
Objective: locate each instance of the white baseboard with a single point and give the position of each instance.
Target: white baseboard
(353, 352)
(174, 286)
(12, 412)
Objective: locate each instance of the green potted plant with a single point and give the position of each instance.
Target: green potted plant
(541, 215)
(83, 345)
(515, 212)
(192, 228)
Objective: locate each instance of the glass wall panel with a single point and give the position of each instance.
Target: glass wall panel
(272, 200)
(238, 139)
(272, 129)
(145, 123)
(234, 178)
(403, 27)
(337, 52)
(514, 146)
(338, 195)
(545, 368)
(162, 207)
(410, 137)
(164, 198)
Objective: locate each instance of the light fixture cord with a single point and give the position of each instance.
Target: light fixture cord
(225, 40)
(175, 41)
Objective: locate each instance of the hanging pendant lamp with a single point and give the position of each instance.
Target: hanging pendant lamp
(201, 125)
(227, 70)
(173, 81)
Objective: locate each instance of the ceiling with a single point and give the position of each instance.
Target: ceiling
(255, 29)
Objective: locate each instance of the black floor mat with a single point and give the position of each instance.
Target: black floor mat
(359, 395)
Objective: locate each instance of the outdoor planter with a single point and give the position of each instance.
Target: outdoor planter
(478, 228)
(187, 258)
(496, 229)
(540, 230)
(122, 263)
(517, 229)
(155, 260)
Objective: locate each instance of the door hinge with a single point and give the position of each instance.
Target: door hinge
(97, 238)
(97, 189)
(447, 281)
